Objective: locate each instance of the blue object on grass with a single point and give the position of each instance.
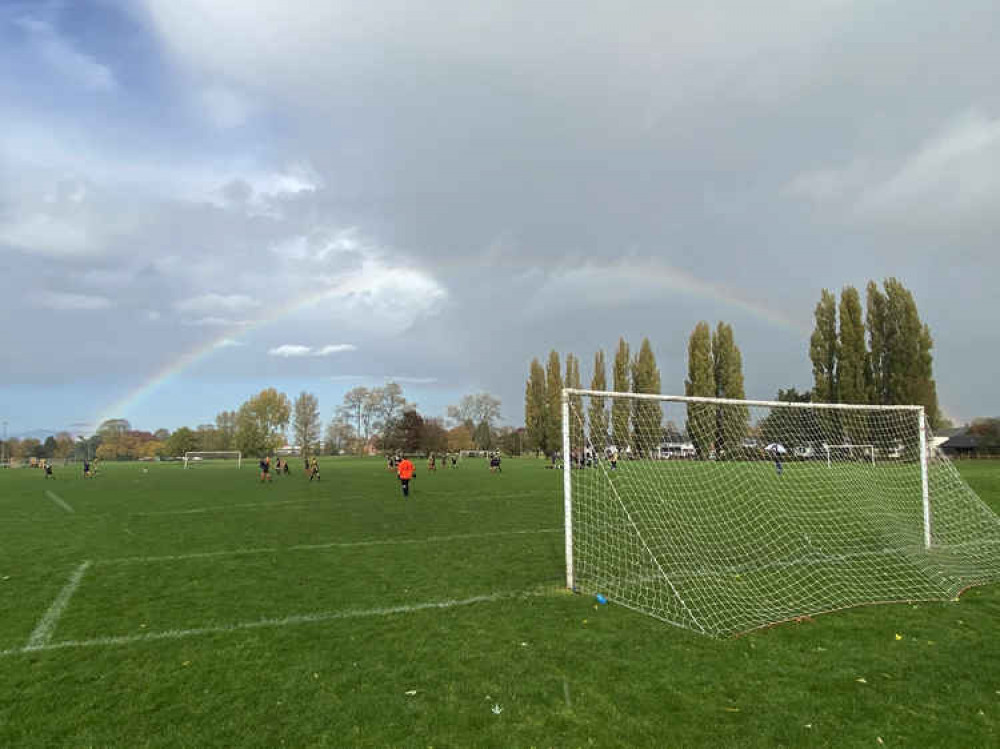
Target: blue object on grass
(601, 599)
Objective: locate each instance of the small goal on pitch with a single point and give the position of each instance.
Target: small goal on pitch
(740, 530)
(197, 456)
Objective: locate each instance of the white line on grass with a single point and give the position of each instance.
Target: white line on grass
(59, 501)
(40, 637)
(330, 545)
(323, 616)
(226, 508)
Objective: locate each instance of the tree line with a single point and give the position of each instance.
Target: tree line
(368, 420)
(879, 356)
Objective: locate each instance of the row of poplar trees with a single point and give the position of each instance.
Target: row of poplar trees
(880, 355)
(622, 426)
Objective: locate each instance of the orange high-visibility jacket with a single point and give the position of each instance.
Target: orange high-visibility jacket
(405, 469)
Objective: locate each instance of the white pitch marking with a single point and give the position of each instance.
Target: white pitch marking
(40, 637)
(313, 547)
(225, 508)
(323, 616)
(59, 501)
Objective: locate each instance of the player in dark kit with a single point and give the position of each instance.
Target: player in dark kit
(265, 470)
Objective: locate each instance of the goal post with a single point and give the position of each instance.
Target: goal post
(746, 525)
(199, 455)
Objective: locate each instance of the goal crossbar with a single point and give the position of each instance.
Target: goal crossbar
(214, 454)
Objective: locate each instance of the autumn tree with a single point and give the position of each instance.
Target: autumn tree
(535, 405)
(700, 382)
(598, 413)
(553, 403)
(823, 349)
(261, 421)
(621, 409)
(306, 425)
(732, 422)
(646, 414)
(576, 414)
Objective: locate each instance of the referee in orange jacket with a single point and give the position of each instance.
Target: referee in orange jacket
(406, 472)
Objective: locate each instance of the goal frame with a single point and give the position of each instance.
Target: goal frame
(190, 454)
(918, 413)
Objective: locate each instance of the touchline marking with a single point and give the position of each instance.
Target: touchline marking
(323, 616)
(313, 547)
(39, 639)
(59, 501)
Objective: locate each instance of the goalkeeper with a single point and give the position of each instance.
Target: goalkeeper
(406, 471)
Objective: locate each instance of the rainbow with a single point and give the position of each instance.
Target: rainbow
(660, 275)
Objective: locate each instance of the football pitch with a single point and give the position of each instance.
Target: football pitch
(155, 606)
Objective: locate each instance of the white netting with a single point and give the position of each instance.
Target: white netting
(727, 516)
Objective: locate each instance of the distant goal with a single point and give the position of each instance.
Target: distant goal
(197, 456)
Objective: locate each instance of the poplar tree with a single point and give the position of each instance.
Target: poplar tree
(876, 322)
(553, 404)
(823, 349)
(598, 412)
(620, 409)
(852, 373)
(576, 415)
(646, 415)
(732, 422)
(700, 382)
(908, 367)
(534, 408)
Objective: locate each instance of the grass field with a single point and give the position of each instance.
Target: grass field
(200, 608)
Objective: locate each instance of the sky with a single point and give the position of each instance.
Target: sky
(203, 198)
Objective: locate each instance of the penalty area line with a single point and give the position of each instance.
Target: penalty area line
(42, 633)
(59, 501)
(288, 621)
(316, 547)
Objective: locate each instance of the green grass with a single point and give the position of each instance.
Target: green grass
(167, 651)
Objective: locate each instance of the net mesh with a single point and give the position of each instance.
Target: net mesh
(724, 517)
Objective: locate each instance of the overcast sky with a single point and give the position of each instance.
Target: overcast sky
(202, 198)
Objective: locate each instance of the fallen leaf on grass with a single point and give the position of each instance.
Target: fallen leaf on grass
(879, 739)
(497, 709)
(315, 676)
(861, 680)
(186, 663)
(731, 709)
(898, 636)
(410, 692)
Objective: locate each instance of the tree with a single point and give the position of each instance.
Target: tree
(553, 403)
(576, 414)
(306, 428)
(411, 431)
(353, 406)
(391, 406)
(113, 428)
(598, 415)
(225, 428)
(460, 438)
(535, 405)
(823, 349)
(183, 440)
(853, 366)
(435, 437)
(474, 409)
(876, 322)
(646, 414)
(261, 421)
(162, 435)
(621, 409)
(700, 382)
(908, 366)
(64, 445)
(732, 422)
(339, 434)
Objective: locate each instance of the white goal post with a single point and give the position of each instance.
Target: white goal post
(738, 535)
(199, 455)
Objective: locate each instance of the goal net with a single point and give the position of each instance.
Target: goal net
(195, 457)
(723, 516)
